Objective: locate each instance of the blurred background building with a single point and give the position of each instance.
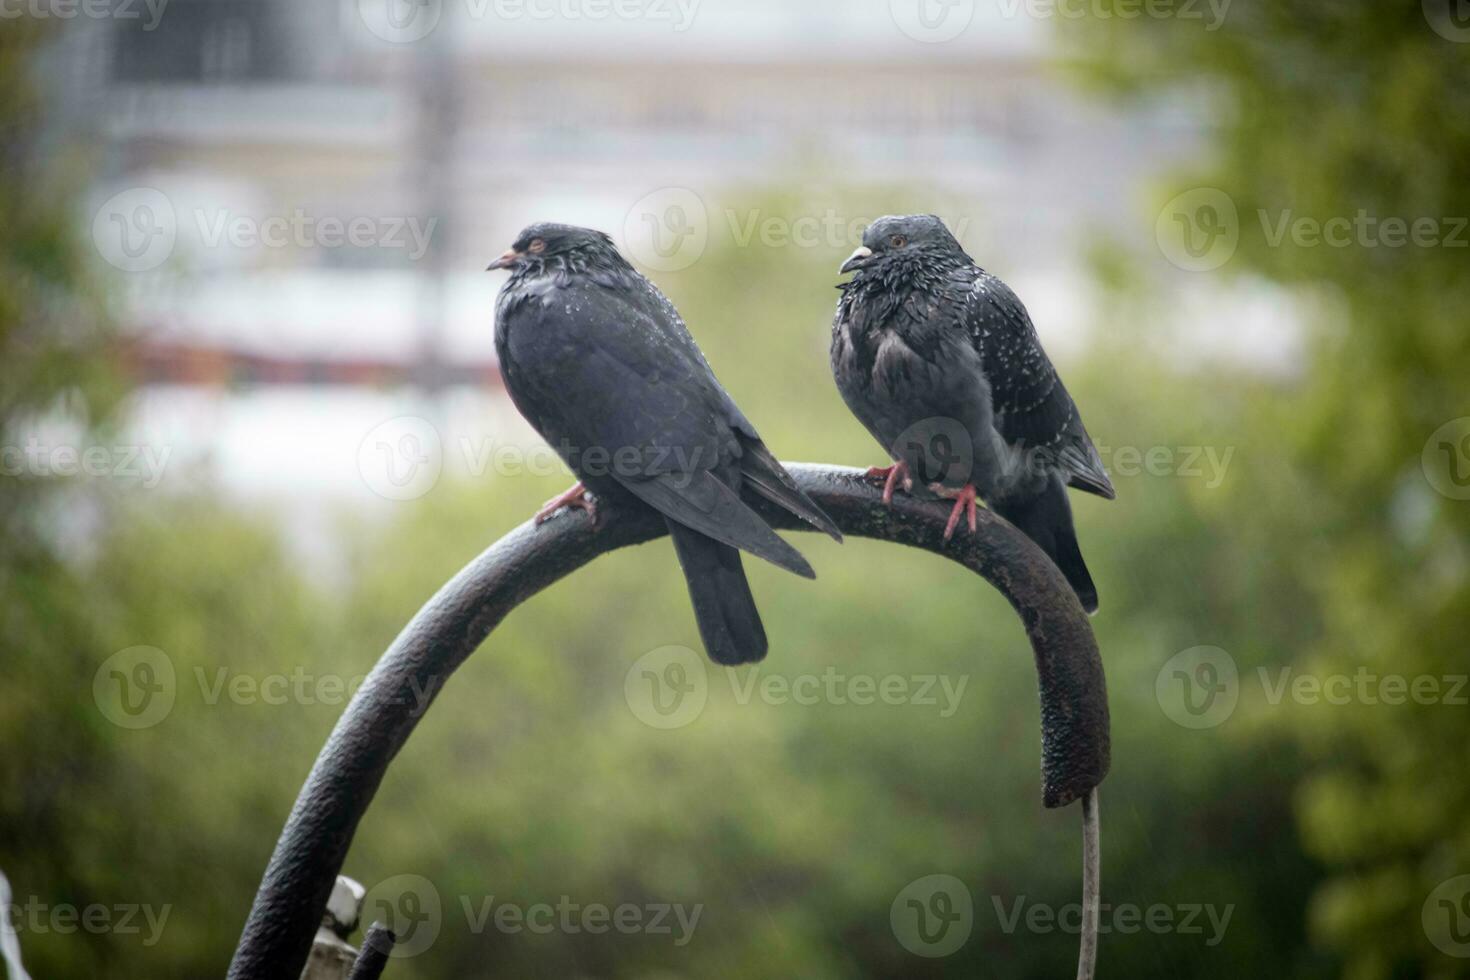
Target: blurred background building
(268, 128)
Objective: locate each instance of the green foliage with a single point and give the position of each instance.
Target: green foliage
(1329, 110)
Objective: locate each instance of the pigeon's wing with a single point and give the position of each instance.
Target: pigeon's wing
(758, 465)
(1033, 411)
(621, 382)
(764, 472)
(636, 389)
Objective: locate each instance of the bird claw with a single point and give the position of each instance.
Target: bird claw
(577, 498)
(891, 476)
(964, 503)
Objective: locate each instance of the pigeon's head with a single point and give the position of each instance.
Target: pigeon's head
(901, 240)
(547, 243)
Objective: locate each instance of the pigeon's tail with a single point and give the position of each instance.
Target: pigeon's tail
(723, 606)
(1047, 519)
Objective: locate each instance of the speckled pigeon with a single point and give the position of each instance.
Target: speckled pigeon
(599, 361)
(939, 359)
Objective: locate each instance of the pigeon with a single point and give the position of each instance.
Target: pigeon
(598, 360)
(941, 363)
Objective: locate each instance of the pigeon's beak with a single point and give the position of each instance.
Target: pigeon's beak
(507, 259)
(857, 259)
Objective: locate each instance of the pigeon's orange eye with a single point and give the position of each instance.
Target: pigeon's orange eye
(898, 241)
(537, 246)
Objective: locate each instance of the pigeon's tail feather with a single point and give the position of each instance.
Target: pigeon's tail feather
(725, 610)
(1047, 519)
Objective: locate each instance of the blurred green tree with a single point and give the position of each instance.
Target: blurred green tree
(1358, 113)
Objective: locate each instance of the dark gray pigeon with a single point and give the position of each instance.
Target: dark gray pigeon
(598, 360)
(938, 358)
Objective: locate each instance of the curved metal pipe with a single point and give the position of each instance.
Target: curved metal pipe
(452, 624)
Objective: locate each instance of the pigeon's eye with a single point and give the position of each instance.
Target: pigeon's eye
(898, 241)
(537, 246)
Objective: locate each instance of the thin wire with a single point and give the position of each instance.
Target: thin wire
(1091, 886)
(9, 945)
